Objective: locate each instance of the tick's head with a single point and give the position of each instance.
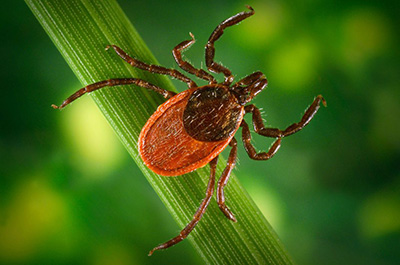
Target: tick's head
(246, 89)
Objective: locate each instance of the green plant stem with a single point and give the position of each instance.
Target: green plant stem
(81, 29)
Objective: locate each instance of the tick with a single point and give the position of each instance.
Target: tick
(193, 127)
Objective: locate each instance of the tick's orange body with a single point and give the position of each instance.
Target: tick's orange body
(165, 146)
(192, 128)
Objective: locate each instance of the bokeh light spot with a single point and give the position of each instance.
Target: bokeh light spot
(294, 65)
(383, 134)
(366, 34)
(34, 213)
(380, 215)
(260, 29)
(96, 147)
(114, 254)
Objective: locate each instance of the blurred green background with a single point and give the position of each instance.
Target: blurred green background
(70, 193)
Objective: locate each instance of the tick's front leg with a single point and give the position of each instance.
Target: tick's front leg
(217, 33)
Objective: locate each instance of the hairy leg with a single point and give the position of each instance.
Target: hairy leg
(177, 52)
(217, 33)
(197, 216)
(152, 68)
(114, 82)
(224, 180)
(295, 127)
(251, 151)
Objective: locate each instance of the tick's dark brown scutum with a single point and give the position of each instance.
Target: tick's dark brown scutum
(212, 114)
(193, 127)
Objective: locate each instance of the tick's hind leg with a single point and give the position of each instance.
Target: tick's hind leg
(197, 216)
(217, 33)
(152, 68)
(114, 82)
(177, 52)
(295, 127)
(224, 180)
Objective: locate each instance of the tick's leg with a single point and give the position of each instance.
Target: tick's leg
(177, 52)
(115, 82)
(197, 216)
(210, 49)
(152, 68)
(224, 180)
(295, 127)
(251, 151)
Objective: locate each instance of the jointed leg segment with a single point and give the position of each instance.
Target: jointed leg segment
(295, 127)
(224, 180)
(199, 213)
(251, 151)
(217, 33)
(152, 68)
(274, 132)
(177, 52)
(115, 82)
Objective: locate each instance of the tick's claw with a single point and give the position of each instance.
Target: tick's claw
(324, 102)
(234, 219)
(249, 7)
(228, 213)
(55, 106)
(152, 251)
